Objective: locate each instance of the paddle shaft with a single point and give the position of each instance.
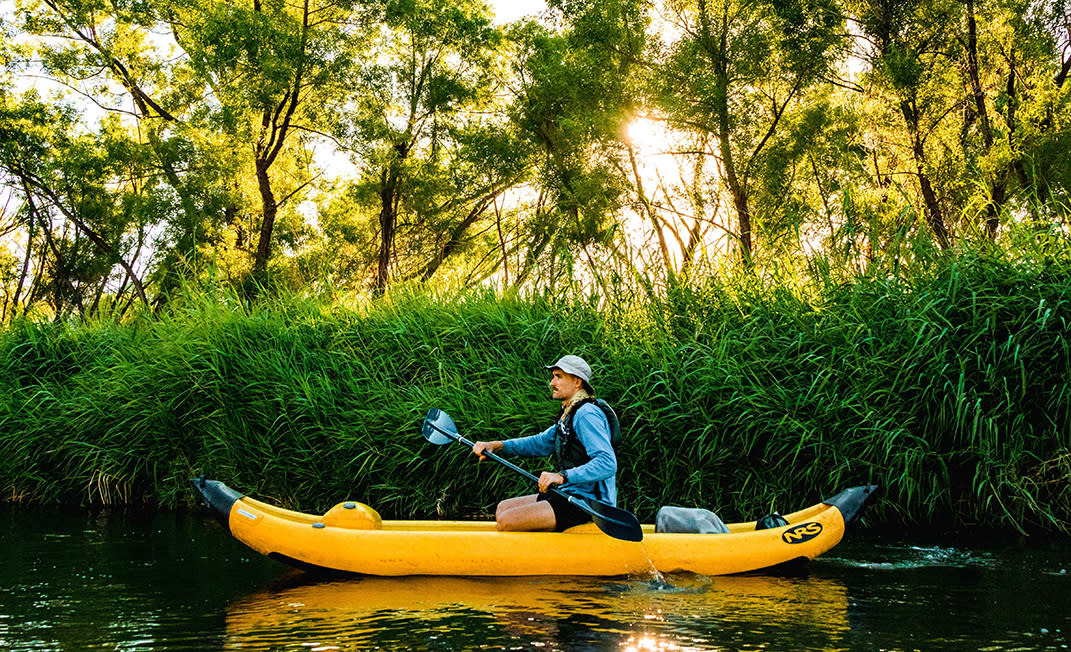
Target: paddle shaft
(510, 465)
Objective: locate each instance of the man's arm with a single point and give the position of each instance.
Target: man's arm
(539, 445)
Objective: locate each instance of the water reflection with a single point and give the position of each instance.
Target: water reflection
(684, 613)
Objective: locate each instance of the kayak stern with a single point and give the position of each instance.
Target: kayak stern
(217, 496)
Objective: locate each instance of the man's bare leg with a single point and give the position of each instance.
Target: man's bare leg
(524, 514)
(512, 503)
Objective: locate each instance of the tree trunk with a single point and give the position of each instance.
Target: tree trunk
(743, 218)
(998, 192)
(667, 259)
(26, 261)
(270, 208)
(972, 70)
(502, 246)
(932, 207)
(275, 125)
(736, 189)
(737, 186)
(998, 187)
(388, 218)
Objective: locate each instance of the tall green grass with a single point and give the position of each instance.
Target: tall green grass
(951, 390)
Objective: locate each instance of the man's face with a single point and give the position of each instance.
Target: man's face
(562, 385)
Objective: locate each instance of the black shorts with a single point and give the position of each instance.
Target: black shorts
(566, 514)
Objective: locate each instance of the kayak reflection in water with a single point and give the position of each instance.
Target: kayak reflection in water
(581, 441)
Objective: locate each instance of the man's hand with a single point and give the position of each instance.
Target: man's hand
(548, 479)
(481, 447)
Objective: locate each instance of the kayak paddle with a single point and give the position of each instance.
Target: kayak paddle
(439, 429)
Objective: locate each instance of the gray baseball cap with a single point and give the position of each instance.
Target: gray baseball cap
(573, 364)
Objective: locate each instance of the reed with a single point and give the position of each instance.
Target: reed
(951, 389)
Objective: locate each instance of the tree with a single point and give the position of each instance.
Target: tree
(271, 67)
(1018, 55)
(972, 83)
(452, 200)
(102, 51)
(245, 79)
(411, 110)
(87, 202)
(736, 70)
(575, 91)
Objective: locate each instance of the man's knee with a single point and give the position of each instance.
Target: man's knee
(513, 503)
(512, 519)
(526, 518)
(511, 523)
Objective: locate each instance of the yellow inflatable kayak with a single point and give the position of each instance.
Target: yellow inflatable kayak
(351, 537)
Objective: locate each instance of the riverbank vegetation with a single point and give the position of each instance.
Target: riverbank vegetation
(806, 243)
(951, 391)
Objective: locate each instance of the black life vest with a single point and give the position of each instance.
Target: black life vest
(569, 452)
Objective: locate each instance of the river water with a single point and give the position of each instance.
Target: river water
(134, 580)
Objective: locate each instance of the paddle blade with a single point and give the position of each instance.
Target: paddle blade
(614, 521)
(439, 428)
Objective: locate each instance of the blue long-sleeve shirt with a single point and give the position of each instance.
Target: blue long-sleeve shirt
(593, 479)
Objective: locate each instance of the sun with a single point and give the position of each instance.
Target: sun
(647, 136)
(653, 142)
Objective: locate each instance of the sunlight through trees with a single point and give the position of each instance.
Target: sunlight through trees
(609, 146)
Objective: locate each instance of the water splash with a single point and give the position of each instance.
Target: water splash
(657, 578)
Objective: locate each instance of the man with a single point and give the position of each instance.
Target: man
(580, 441)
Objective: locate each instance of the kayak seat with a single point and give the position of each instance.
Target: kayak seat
(689, 520)
(354, 516)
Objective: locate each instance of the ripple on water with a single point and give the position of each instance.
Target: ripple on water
(900, 557)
